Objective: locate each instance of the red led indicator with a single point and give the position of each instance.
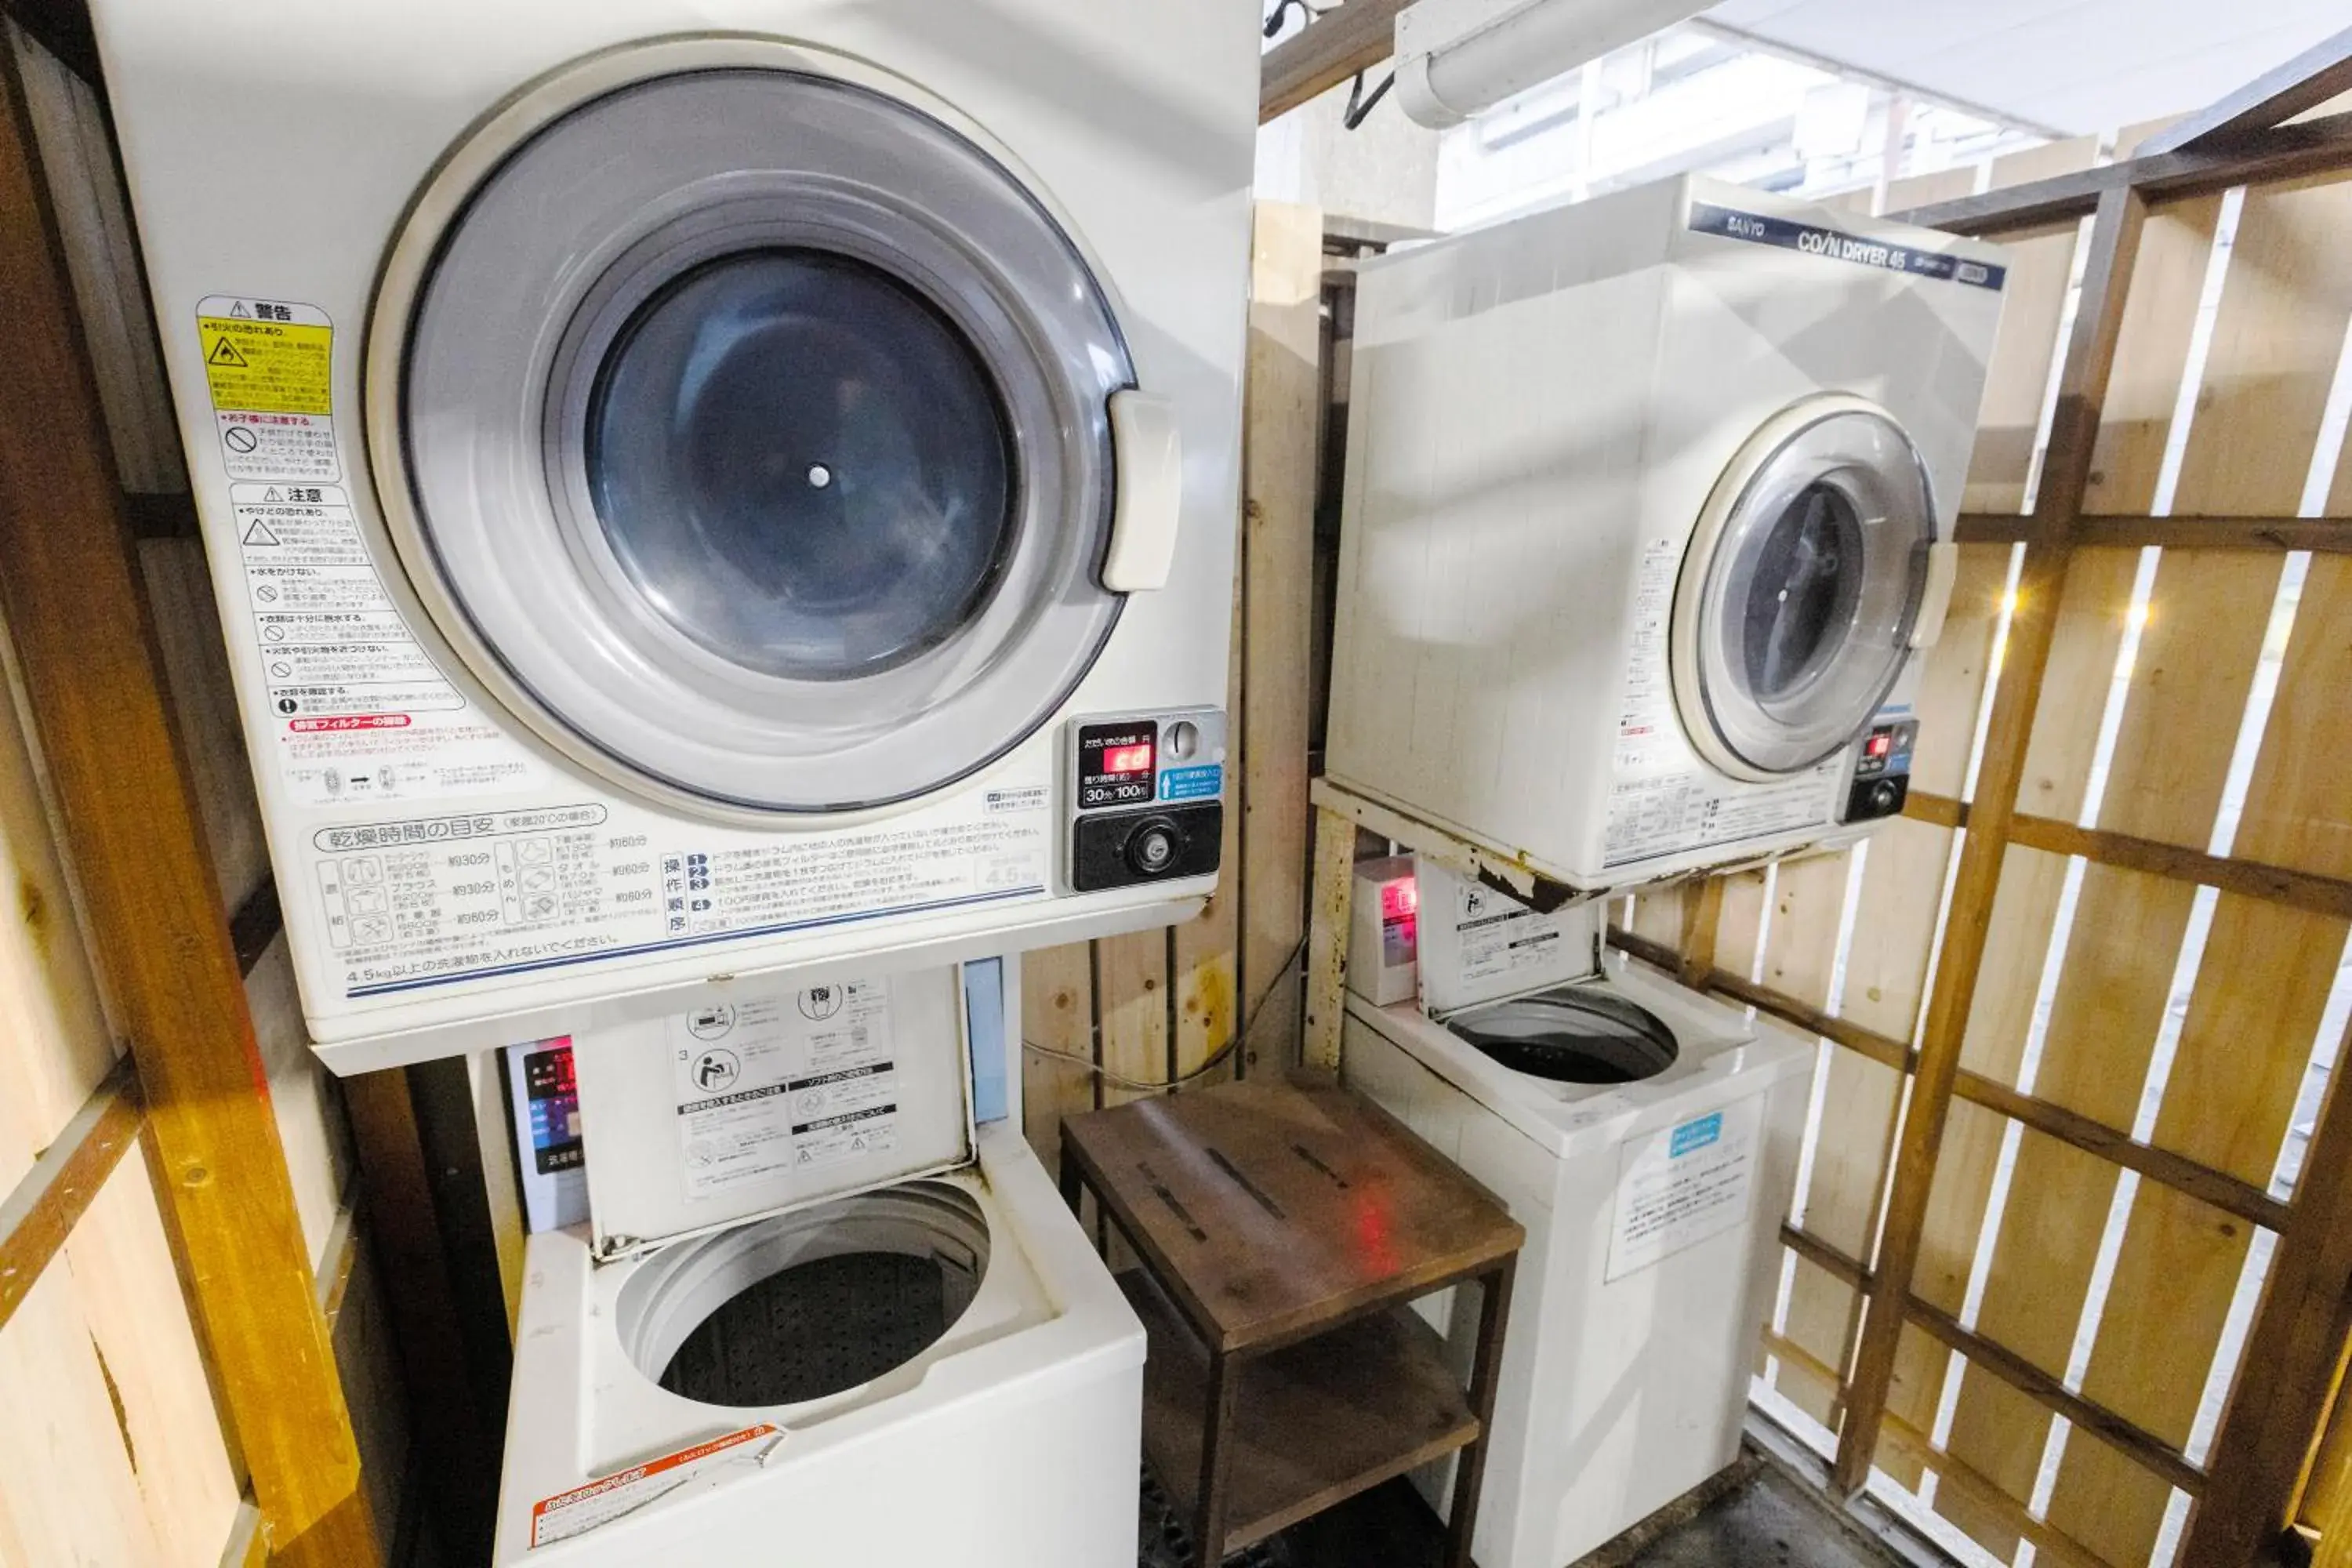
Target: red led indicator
(1399, 899)
(1880, 745)
(1126, 759)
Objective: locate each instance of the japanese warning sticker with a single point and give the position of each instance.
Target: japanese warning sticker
(701, 1466)
(364, 713)
(792, 1083)
(268, 365)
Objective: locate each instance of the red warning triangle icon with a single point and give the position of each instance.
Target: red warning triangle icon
(225, 352)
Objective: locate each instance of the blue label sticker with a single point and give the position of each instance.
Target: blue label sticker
(1697, 1134)
(1204, 782)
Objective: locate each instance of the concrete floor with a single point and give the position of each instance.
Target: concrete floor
(1761, 1519)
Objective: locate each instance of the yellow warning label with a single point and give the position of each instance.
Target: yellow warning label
(267, 367)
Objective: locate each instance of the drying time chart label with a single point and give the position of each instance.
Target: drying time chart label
(429, 899)
(790, 1084)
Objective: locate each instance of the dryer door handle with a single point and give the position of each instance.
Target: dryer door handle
(1943, 567)
(1149, 462)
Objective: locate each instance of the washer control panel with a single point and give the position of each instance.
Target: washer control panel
(1146, 796)
(1881, 778)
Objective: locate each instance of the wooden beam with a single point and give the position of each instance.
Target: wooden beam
(2290, 152)
(2202, 1182)
(2143, 1447)
(36, 1217)
(2307, 890)
(1355, 36)
(2305, 82)
(2294, 1356)
(2333, 534)
(85, 647)
(2083, 383)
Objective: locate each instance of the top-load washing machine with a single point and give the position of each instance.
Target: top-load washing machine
(1648, 1138)
(698, 488)
(1649, 512)
(828, 1308)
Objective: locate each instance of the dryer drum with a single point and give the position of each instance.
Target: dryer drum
(1575, 1036)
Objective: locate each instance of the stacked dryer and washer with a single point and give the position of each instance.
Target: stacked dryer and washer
(721, 512)
(1648, 520)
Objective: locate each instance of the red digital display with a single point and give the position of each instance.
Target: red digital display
(1126, 759)
(1879, 745)
(1399, 899)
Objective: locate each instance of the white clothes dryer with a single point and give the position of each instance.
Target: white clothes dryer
(1647, 1137)
(816, 1316)
(699, 490)
(1649, 512)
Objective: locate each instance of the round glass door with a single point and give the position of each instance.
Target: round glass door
(1805, 577)
(748, 434)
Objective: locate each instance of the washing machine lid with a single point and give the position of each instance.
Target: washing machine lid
(748, 431)
(1478, 945)
(1807, 577)
(766, 1104)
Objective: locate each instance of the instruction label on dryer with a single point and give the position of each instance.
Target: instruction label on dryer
(1661, 804)
(473, 895)
(790, 1083)
(1683, 1184)
(268, 366)
(363, 713)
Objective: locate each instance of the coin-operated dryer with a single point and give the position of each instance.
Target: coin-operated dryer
(1649, 517)
(702, 490)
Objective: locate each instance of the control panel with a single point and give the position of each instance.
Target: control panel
(1147, 796)
(1880, 781)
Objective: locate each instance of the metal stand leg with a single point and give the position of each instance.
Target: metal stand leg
(1485, 1372)
(1072, 1182)
(1215, 1439)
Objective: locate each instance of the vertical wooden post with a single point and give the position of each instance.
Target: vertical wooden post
(85, 646)
(2066, 470)
(1281, 417)
(1327, 938)
(2294, 1358)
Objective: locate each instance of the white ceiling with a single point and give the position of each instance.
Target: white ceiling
(2074, 66)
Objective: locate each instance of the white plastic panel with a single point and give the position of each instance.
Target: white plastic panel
(772, 1103)
(1480, 946)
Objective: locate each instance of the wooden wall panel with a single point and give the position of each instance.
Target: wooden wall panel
(1131, 1009)
(129, 1290)
(1283, 417)
(204, 703)
(1841, 1201)
(1057, 1011)
(67, 1494)
(1158, 1004)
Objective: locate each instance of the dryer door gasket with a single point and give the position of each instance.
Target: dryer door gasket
(753, 442)
(1794, 614)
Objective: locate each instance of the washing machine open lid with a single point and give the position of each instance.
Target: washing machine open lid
(1813, 572)
(772, 1103)
(1478, 945)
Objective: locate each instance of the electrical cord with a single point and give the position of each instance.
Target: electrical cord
(1216, 1058)
(1359, 106)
